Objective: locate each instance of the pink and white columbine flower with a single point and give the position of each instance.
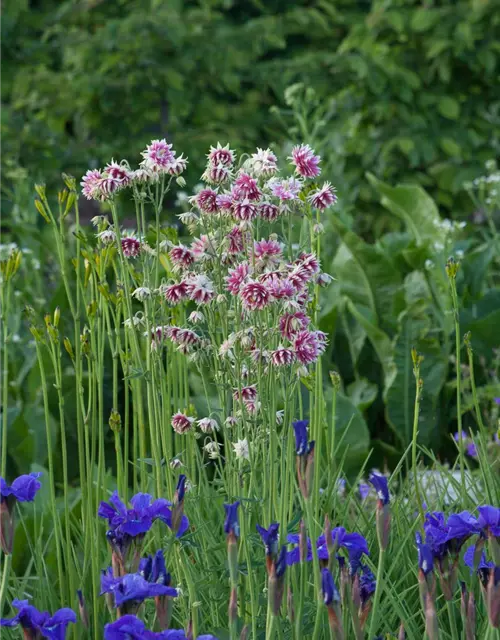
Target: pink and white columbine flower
(158, 155)
(324, 197)
(307, 347)
(206, 200)
(200, 246)
(221, 155)
(200, 289)
(181, 257)
(91, 184)
(175, 293)
(108, 236)
(131, 247)
(322, 339)
(292, 323)
(119, 172)
(255, 296)
(263, 163)
(181, 423)
(268, 252)
(282, 357)
(216, 173)
(235, 240)
(306, 163)
(185, 339)
(309, 262)
(248, 394)
(224, 202)
(244, 210)
(269, 211)
(177, 166)
(208, 425)
(299, 276)
(281, 288)
(237, 277)
(246, 187)
(285, 190)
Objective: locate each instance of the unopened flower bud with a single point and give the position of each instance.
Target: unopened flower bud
(84, 616)
(57, 316)
(69, 348)
(115, 421)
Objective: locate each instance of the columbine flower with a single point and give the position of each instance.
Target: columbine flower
(141, 293)
(306, 163)
(175, 293)
(282, 357)
(263, 163)
(237, 277)
(119, 172)
(158, 155)
(212, 447)
(200, 289)
(23, 489)
(241, 449)
(234, 240)
(91, 184)
(39, 624)
(177, 166)
(108, 236)
(208, 425)
(221, 155)
(323, 198)
(181, 423)
(290, 324)
(268, 211)
(244, 210)
(216, 174)
(307, 347)
(285, 190)
(181, 257)
(206, 200)
(255, 296)
(246, 187)
(268, 252)
(131, 247)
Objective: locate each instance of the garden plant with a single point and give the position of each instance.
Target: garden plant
(209, 476)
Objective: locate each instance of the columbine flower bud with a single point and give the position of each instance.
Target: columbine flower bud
(69, 348)
(383, 516)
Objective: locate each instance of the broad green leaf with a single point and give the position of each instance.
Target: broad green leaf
(362, 392)
(450, 147)
(413, 206)
(351, 429)
(449, 107)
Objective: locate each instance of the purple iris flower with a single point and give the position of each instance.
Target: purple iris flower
(496, 400)
(364, 490)
(133, 587)
(166, 517)
(461, 526)
(489, 520)
(181, 487)
(448, 536)
(425, 555)
(302, 444)
(23, 489)
(328, 588)
(380, 485)
(131, 628)
(231, 522)
(136, 521)
(38, 624)
(153, 569)
(367, 584)
(354, 543)
(269, 538)
(281, 562)
(469, 559)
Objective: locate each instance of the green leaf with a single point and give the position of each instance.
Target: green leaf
(362, 393)
(450, 147)
(413, 206)
(449, 108)
(351, 430)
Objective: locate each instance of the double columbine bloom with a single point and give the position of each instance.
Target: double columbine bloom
(39, 624)
(23, 489)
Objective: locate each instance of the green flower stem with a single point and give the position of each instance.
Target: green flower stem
(453, 622)
(5, 300)
(7, 563)
(477, 408)
(416, 413)
(317, 588)
(378, 592)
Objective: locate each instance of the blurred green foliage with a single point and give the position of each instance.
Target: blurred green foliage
(407, 89)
